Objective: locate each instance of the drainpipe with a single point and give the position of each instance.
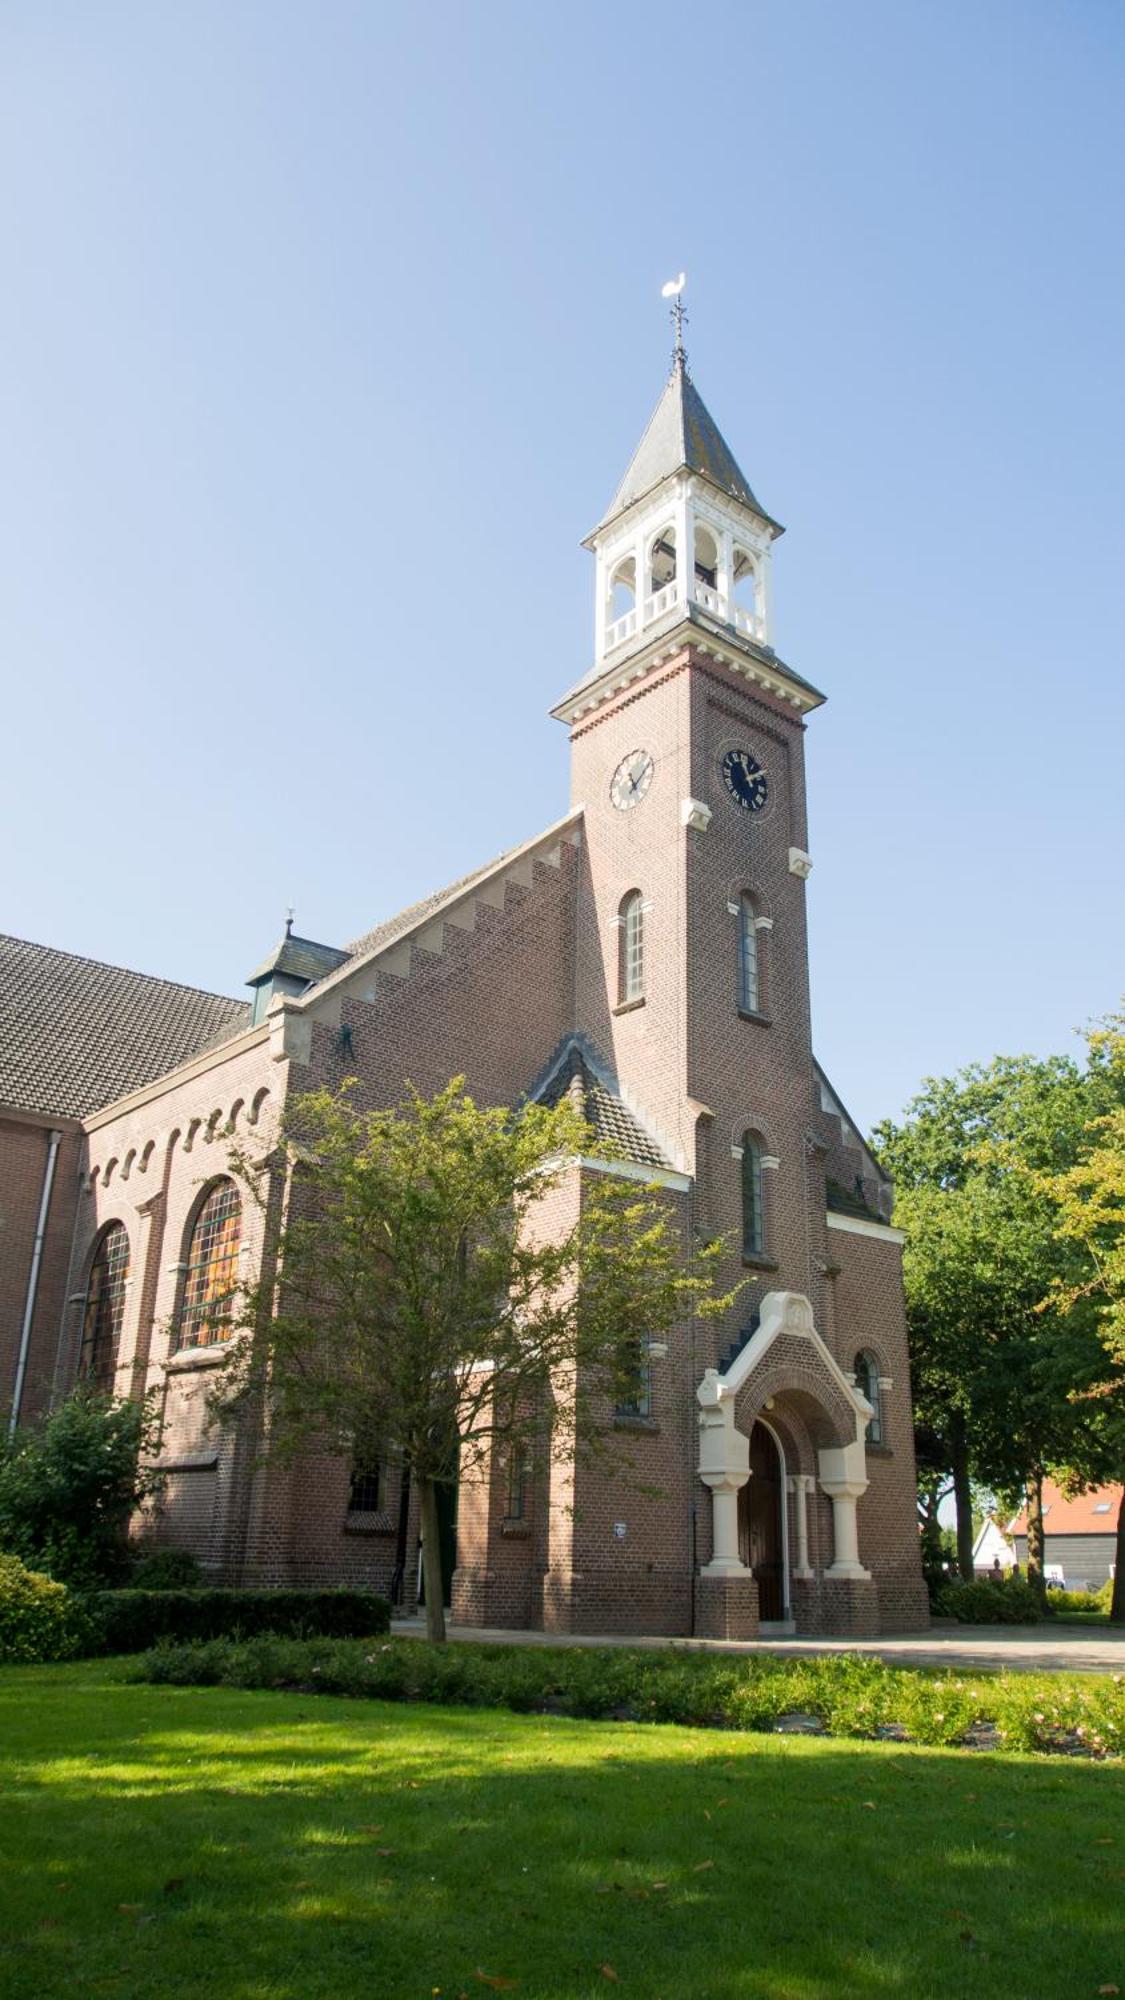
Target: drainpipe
(33, 1280)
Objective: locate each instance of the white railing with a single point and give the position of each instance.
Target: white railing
(622, 628)
(654, 607)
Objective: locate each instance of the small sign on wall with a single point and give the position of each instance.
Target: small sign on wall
(619, 1531)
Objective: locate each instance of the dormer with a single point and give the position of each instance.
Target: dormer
(295, 964)
(683, 536)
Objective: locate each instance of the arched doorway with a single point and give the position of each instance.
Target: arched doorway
(761, 1525)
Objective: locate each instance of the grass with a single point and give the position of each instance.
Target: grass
(264, 1846)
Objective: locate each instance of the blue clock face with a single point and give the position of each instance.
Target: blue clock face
(745, 781)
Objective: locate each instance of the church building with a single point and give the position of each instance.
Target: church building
(646, 953)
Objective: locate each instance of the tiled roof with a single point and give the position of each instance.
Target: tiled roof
(617, 1130)
(1093, 1513)
(76, 1034)
(681, 433)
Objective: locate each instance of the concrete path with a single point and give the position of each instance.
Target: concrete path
(1097, 1649)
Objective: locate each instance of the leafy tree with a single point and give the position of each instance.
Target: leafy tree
(69, 1484)
(1089, 1199)
(441, 1290)
(992, 1371)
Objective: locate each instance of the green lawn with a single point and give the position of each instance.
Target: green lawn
(254, 1846)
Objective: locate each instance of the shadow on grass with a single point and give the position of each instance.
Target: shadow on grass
(166, 1840)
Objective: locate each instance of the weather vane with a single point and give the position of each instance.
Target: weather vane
(672, 290)
(289, 916)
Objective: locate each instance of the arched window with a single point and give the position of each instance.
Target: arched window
(212, 1268)
(105, 1310)
(631, 967)
(867, 1381)
(749, 983)
(623, 588)
(753, 1205)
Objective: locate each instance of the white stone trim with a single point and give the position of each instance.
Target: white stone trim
(790, 1312)
(628, 1170)
(769, 1163)
(858, 1225)
(800, 863)
(694, 813)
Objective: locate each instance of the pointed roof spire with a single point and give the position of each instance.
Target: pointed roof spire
(682, 435)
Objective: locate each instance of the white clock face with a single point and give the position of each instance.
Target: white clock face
(631, 780)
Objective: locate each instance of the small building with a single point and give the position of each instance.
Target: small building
(992, 1549)
(1080, 1536)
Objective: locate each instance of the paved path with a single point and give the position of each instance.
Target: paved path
(1097, 1649)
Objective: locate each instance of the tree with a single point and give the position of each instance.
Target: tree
(443, 1288)
(992, 1372)
(69, 1485)
(1089, 1201)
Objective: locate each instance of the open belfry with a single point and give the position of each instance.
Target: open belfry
(647, 955)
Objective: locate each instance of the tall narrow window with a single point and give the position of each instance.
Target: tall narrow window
(105, 1310)
(212, 1269)
(364, 1488)
(753, 1207)
(634, 1383)
(749, 986)
(632, 972)
(867, 1380)
(519, 1466)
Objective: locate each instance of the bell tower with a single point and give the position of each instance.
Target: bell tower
(687, 759)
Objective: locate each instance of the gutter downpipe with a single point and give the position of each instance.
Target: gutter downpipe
(33, 1280)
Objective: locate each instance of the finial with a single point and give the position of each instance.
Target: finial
(289, 916)
(672, 291)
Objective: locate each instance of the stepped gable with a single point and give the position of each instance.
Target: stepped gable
(618, 1131)
(416, 913)
(75, 1034)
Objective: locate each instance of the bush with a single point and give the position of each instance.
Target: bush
(164, 1569)
(1012, 1602)
(849, 1695)
(35, 1615)
(69, 1484)
(1062, 1603)
(127, 1621)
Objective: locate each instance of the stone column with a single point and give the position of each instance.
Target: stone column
(843, 1476)
(801, 1484)
(726, 1600)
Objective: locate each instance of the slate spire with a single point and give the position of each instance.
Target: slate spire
(682, 435)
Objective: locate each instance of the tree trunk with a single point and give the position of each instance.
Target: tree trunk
(431, 1561)
(1117, 1600)
(1035, 1536)
(962, 1497)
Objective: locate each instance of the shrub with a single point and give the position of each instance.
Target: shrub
(69, 1484)
(850, 1694)
(1012, 1602)
(127, 1621)
(1062, 1603)
(163, 1569)
(35, 1615)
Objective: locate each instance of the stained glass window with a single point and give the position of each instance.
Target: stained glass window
(749, 996)
(105, 1309)
(632, 947)
(212, 1269)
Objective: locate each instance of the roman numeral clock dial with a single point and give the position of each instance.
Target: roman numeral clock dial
(746, 783)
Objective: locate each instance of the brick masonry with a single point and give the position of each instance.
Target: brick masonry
(490, 989)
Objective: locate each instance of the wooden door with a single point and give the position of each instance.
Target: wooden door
(759, 1519)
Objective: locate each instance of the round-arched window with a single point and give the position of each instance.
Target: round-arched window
(104, 1310)
(211, 1279)
(867, 1380)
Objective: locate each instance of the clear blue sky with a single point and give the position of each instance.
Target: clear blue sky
(327, 331)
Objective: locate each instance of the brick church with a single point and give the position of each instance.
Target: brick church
(648, 953)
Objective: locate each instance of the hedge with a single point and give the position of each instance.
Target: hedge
(128, 1621)
(841, 1695)
(35, 1615)
(1012, 1602)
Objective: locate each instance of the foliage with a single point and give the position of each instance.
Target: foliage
(127, 1621)
(1090, 1198)
(1087, 1603)
(993, 1373)
(850, 1694)
(35, 1622)
(1010, 1601)
(69, 1484)
(444, 1293)
(187, 1841)
(163, 1569)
